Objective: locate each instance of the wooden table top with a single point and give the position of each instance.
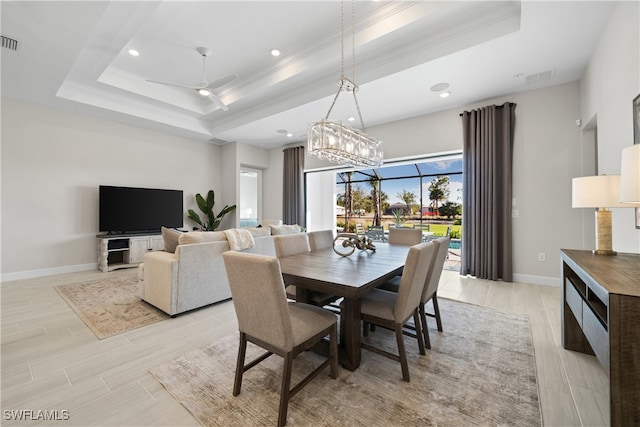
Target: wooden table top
(618, 274)
(352, 276)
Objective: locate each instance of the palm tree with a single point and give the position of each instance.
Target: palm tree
(375, 197)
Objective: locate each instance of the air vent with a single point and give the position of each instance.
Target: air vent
(219, 141)
(545, 75)
(9, 43)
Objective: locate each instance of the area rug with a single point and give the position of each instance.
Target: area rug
(110, 306)
(479, 372)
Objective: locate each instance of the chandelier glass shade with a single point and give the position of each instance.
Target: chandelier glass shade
(338, 142)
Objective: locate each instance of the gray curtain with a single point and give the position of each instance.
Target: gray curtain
(293, 201)
(487, 191)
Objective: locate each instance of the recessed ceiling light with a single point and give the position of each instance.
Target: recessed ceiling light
(275, 52)
(289, 134)
(204, 92)
(281, 131)
(134, 52)
(351, 119)
(445, 94)
(439, 87)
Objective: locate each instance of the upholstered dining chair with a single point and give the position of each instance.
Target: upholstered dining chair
(405, 236)
(320, 239)
(391, 310)
(430, 292)
(266, 319)
(293, 244)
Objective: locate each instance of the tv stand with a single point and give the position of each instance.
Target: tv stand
(125, 250)
(600, 316)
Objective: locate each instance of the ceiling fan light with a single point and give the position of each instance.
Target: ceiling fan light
(204, 92)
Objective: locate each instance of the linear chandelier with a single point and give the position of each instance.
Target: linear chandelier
(338, 142)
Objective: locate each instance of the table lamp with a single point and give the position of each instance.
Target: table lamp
(599, 192)
(630, 176)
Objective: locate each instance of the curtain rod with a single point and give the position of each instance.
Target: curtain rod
(497, 106)
(288, 148)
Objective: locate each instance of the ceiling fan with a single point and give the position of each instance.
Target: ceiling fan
(205, 88)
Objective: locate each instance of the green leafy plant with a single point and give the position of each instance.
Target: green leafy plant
(398, 217)
(206, 206)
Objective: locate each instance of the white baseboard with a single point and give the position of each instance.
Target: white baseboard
(6, 277)
(537, 280)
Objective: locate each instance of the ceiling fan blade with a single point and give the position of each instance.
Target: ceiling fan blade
(216, 100)
(221, 81)
(174, 85)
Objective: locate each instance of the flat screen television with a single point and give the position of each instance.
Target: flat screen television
(139, 210)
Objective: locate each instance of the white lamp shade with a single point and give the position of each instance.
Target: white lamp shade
(630, 175)
(596, 192)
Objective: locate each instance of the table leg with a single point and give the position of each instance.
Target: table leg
(350, 333)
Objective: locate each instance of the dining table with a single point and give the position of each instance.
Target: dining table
(350, 277)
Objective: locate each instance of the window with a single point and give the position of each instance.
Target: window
(250, 197)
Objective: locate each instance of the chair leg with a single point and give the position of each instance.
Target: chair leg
(333, 352)
(416, 321)
(402, 353)
(436, 311)
(365, 329)
(425, 329)
(242, 350)
(284, 389)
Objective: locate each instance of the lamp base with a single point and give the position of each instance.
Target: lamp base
(603, 233)
(603, 252)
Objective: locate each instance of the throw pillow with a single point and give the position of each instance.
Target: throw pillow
(284, 229)
(170, 237)
(201, 237)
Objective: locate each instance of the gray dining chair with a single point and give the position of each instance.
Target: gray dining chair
(391, 310)
(266, 319)
(376, 233)
(320, 239)
(293, 244)
(430, 292)
(405, 236)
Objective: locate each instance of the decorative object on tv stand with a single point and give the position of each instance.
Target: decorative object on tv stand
(206, 206)
(599, 192)
(335, 141)
(350, 242)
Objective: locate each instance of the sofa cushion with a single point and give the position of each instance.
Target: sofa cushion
(170, 237)
(259, 231)
(284, 229)
(201, 237)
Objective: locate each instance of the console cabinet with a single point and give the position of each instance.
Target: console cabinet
(601, 316)
(126, 251)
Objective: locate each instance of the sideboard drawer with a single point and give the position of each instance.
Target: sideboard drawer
(596, 335)
(574, 300)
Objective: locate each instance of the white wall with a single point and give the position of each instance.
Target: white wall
(52, 164)
(610, 83)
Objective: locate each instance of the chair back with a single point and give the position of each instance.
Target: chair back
(291, 244)
(405, 236)
(359, 228)
(258, 296)
(413, 280)
(376, 232)
(435, 270)
(320, 239)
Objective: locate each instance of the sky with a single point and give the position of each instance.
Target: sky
(433, 168)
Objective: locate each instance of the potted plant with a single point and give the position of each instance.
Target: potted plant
(206, 206)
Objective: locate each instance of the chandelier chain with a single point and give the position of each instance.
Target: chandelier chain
(353, 62)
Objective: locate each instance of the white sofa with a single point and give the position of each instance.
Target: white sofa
(194, 276)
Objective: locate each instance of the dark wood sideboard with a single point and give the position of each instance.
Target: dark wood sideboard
(601, 316)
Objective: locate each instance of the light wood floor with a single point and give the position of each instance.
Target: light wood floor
(52, 361)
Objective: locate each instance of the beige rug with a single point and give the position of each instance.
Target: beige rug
(111, 306)
(479, 372)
